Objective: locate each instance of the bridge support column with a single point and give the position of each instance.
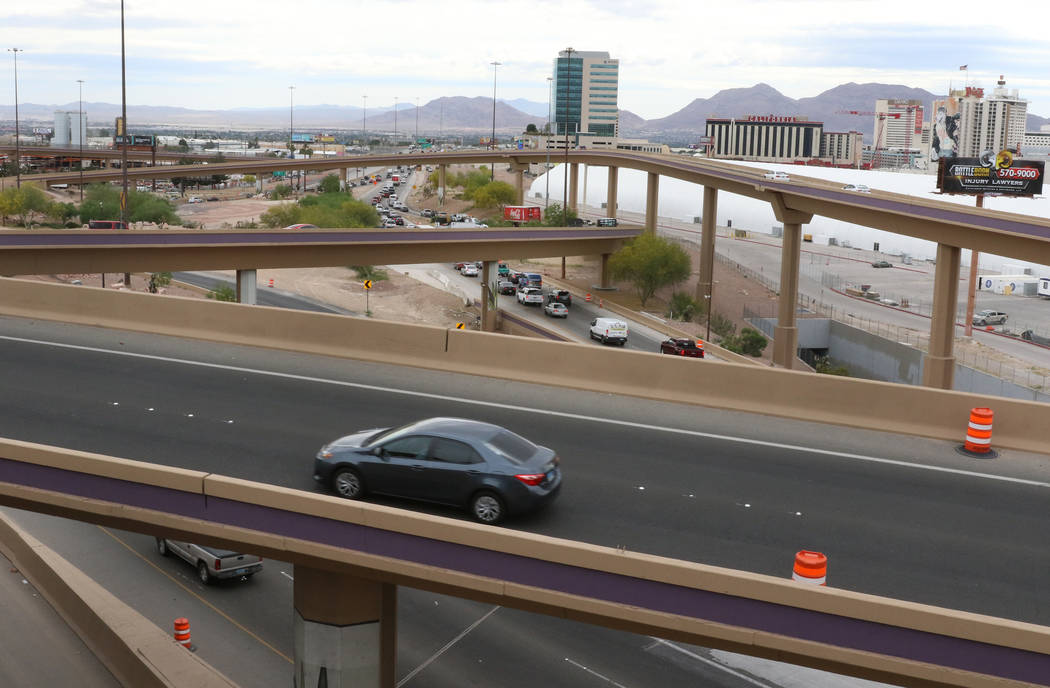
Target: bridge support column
(259, 182)
(652, 198)
(346, 178)
(246, 281)
(938, 365)
(489, 296)
(574, 185)
(785, 334)
(345, 630)
(705, 284)
(519, 186)
(604, 280)
(611, 192)
(441, 184)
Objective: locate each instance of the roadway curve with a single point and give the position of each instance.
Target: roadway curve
(906, 532)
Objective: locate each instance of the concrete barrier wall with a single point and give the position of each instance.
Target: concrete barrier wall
(882, 406)
(135, 650)
(347, 536)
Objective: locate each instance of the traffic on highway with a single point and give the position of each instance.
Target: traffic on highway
(721, 488)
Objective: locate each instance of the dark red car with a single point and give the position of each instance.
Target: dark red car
(689, 348)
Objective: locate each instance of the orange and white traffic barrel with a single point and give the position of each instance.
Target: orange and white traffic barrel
(588, 297)
(182, 632)
(979, 431)
(810, 567)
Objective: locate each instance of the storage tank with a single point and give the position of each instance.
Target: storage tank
(77, 129)
(61, 129)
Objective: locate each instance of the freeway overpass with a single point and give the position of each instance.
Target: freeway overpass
(793, 203)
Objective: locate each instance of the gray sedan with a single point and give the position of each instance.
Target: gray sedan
(483, 467)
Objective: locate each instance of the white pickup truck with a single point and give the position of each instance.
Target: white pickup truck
(530, 296)
(211, 563)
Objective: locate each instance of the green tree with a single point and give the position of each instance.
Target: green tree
(555, 217)
(650, 262)
(183, 146)
(281, 191)
(683, 307)
(494, 194)
(336, 209)
(330, 184)
(223, 292)
(749, 342)
(25, 203)
(102, 202)
(531, 129)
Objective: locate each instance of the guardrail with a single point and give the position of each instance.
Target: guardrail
(831, 399)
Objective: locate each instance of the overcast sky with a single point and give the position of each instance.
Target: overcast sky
(240, 53)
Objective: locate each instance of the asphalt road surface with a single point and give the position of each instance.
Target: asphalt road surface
(264, 296)
(897, 516)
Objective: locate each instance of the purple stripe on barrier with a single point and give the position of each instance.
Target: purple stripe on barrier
(106, 489)
(804, 624)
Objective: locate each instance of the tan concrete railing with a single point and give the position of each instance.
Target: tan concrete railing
(821, 398)
(135, 650)
(214, 508)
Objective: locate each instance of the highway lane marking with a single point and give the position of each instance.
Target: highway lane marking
(447, 646)
(203, 601)
(709, 662)
(595, 673)
(538, 411)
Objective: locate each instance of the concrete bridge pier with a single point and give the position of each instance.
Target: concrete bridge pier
(441, 184)
(246, 287)
(574, 185)
(345, 630)
(519, 182)
(709, 214)
(489, 296)
(652, 198)
(610, 198)
(346, 178)
(938, 365)
(785, 334)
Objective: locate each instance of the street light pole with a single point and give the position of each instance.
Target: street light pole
(565, 172)
(18, 149)
(547, 145)
(80, 134)
(291, 128)
(492, 141)
(124, 148)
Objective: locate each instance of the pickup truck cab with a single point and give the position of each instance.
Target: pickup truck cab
(690, 348)
(211, 563)
(608, 330)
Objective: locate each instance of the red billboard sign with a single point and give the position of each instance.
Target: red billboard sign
(521, 213)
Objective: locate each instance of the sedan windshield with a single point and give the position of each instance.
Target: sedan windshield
(514, 448)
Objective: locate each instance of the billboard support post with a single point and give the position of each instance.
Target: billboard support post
(972, 293)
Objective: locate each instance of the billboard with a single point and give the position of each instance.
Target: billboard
(326, 138)
(43, 131)
(1001, 175)
(302, 138)
(944, 142)
(134, 140)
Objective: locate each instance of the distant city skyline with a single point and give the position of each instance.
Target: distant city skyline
(245, 54)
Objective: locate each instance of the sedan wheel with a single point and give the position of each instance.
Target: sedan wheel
(348, 484)
(982, 323)
(487, 507)
(162, 547)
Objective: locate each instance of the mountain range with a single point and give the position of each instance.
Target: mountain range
(459, 114)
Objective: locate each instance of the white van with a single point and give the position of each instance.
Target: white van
(608, 330)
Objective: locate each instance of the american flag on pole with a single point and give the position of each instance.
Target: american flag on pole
(963, 68)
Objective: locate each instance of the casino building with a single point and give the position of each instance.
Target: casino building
(775, 138)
